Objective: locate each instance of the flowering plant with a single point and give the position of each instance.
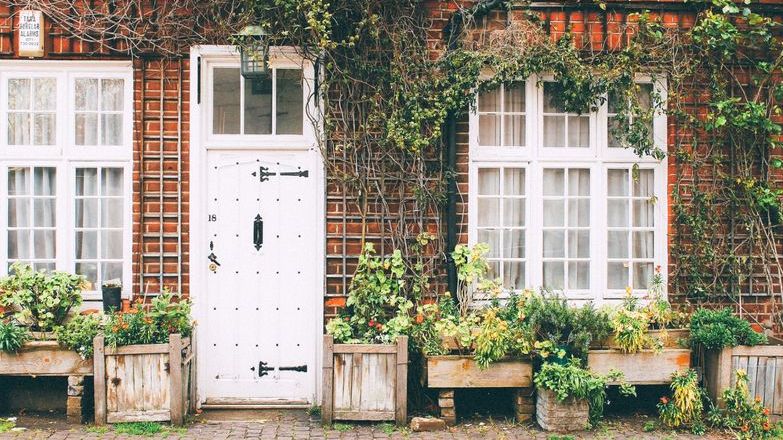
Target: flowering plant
(747, 419)
(166, 314)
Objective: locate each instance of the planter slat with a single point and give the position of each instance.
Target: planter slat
(365, 382)
(44, 358)
(375, 416)
(763, 364)
(453, 371)
(364, 348)
(141, 383)
(646, 367)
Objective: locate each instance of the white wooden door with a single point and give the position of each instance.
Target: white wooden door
(262, 277)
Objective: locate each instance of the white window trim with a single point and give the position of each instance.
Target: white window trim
(598, 159)
(65, 156)
(279, 58)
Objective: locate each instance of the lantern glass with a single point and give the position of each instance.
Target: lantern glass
(254, 53)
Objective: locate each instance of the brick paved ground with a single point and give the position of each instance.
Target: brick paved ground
(293, 425)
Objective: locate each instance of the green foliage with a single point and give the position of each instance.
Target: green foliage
(166, 314)
(570, 380)
(557, 325)
(378, 308)
(341, 427)
(7, 424)
(79, 333)
(685, 408)
(12, 337)
(715, 329)
(40, 300)
(650, 426)
(147, 429)
(745, 418)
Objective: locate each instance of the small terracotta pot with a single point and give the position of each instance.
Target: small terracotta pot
(126, 305)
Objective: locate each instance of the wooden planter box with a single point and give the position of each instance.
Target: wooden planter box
(47, 358)
(451, 372)
(144, 383)
(764, 365)
(365, 381)
(553, 415)
(646, 367)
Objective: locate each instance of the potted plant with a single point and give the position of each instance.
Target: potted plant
(112, 295)
(644, 333)
(571, 398)
(727, 343)
(38, 303)
(150, 343)
(366, 346)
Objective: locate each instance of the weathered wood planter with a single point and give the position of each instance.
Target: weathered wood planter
(451, 372)
(646, 367)
(764, 365)
(365, 381)
(144, 383)
(47, 358)
(553, 415)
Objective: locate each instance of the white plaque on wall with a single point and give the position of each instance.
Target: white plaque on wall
(31, 33)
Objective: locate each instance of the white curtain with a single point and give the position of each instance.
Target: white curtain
(514, 217)
(643, 216)
(45, 215)
(38, 225)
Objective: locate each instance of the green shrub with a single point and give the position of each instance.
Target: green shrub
(40, 300)
(553, 320)
(78, 334)
(12, 336)
(715, 329)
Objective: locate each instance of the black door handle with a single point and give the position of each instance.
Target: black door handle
(258, 232)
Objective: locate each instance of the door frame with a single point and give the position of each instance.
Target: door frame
(201, 57)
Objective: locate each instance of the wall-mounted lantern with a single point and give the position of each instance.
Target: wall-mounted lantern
(254, 52)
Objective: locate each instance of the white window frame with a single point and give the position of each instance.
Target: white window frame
(280, 57)
(598, 158)
(65, 156)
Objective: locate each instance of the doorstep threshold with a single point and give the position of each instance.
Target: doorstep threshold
(243, 403)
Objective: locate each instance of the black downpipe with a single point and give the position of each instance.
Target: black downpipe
(451, 36)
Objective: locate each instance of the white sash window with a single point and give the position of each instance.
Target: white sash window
(586, 217)
(65, 161)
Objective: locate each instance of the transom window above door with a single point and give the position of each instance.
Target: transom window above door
(266, 106)
(66, 145)
(562, 205)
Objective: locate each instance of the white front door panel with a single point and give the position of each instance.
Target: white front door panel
(262, 279)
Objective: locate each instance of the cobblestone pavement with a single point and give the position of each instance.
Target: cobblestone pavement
(291, 425)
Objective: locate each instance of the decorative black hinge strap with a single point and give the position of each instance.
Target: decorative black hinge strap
(305, 173)
(263, 174)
